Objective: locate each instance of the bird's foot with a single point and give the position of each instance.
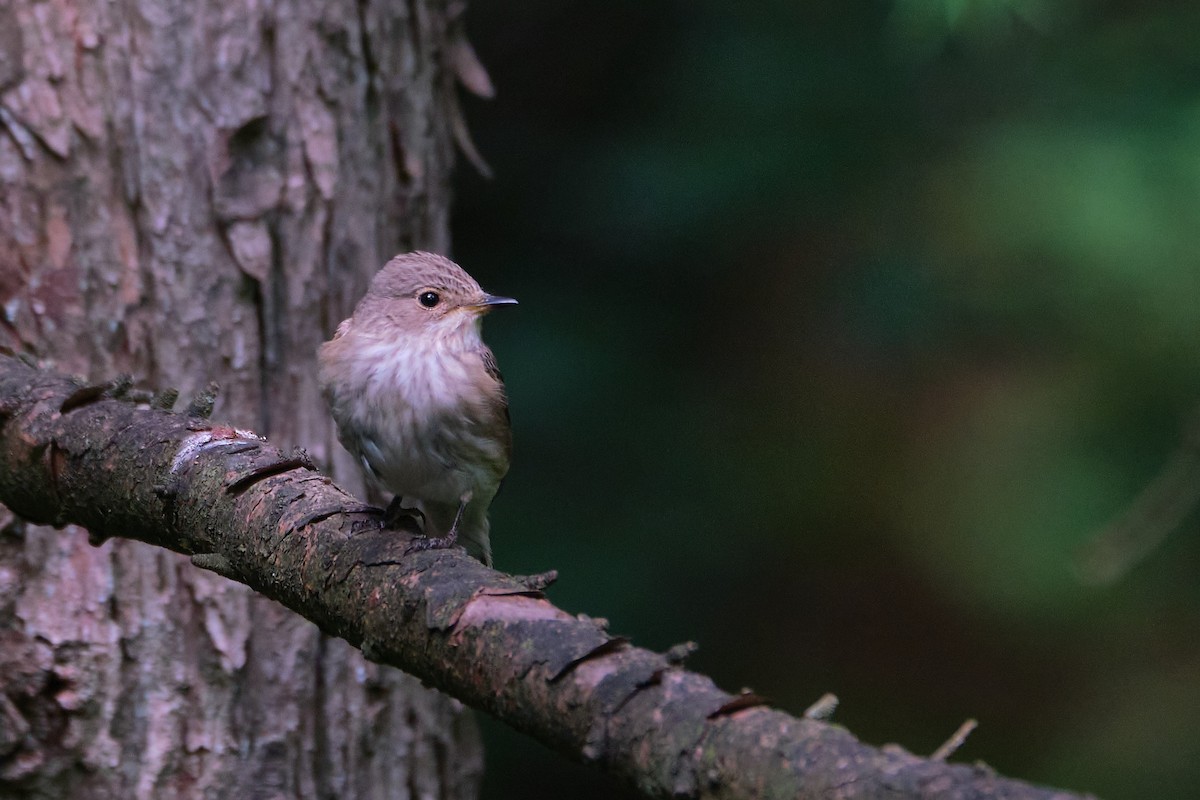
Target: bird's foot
(396, 511)
(441, 542)
(433, 543)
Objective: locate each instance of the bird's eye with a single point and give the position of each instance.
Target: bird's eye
(429, 299)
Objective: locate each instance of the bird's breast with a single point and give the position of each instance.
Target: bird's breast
(423, 420)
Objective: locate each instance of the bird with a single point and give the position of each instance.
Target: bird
(417, 398)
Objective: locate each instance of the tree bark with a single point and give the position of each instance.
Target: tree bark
(248, 511)
(196, 191)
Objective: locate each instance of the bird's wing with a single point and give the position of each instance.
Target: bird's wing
(499, 400)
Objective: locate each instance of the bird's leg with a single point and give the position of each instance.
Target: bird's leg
(396, 510)
(451, 537)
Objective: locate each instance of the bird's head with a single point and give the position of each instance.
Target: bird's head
(425, 294)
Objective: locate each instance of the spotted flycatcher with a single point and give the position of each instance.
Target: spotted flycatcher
(417, 397)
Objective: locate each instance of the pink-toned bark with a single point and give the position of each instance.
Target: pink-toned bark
(190, 191)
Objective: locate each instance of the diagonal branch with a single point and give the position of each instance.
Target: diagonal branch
(242, 508)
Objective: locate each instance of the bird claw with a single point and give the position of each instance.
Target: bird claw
(432, 543)
(438, 542)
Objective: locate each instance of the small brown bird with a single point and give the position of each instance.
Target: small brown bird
(417, 397)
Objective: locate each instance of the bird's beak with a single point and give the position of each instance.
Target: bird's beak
(490, 300)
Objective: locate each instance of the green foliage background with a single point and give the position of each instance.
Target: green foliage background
(844, 325)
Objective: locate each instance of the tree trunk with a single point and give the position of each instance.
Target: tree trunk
(198, 190)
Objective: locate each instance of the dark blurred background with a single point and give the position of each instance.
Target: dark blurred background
(845, 327)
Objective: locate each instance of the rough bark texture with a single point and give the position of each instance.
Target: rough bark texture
(198, 190)
(248, 511)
